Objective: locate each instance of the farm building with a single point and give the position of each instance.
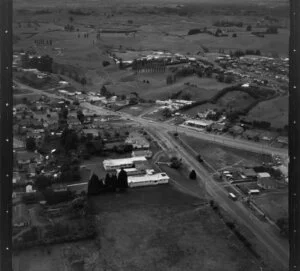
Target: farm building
(146, 153)
(236, 130)
(250, 174)
(137, 141)
(219, 127)
(148, 180)
(199, 123)
(250, 134)
(113, 164)
(132, 171)
(264, 181)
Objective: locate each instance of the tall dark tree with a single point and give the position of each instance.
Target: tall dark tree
(42, 182)
(122, 180)
(95, 185)
(80, 116)
(193, 175)
(30, 144)
(83, 81)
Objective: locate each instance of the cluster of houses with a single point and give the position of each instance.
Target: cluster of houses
(172, 105)
(203, 122)
(258, 70)
(258, 179)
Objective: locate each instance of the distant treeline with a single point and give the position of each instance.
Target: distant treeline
(80, 12)
(224, 23)
(259, 96)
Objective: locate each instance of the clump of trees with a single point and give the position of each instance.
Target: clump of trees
(175, 162)
(193, 175)
(112, 183)
(44, 63)
(105, 63)
(226, 23)
(166, 112)
(239, 53)
(283, 224)
(30, 144)
(69, 28)
(105, 92)
(272, 30)
(194, 31)
(69, 140)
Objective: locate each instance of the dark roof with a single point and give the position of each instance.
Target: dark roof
(249, 172)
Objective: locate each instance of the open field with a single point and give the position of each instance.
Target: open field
(155, 228)
(136, 110)
(220, 156)
(275, 205)
(274, 111)
(236, 100)
(158, 228)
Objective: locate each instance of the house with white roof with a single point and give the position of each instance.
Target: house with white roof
(148, 180)
(113, 164)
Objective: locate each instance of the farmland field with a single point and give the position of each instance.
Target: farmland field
(220, 156)
(275, 205)
(155, 228)
(274, 111)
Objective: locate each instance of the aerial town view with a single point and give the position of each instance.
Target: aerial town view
(150, 135)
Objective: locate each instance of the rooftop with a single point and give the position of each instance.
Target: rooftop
(123, 161)
(263, 175)
(148, 177)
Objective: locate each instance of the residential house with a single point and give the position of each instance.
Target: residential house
(147, 153)
(251, 135)
(137, 141)
(202, 124)
(148, 180)
(218, 127)
(265, 181)
(283, 140)
(250, 174)
(113, 164)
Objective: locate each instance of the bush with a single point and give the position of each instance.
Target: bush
(105, 63)
(194, 31)
(175, 163)
(193, 175)
(30, 144)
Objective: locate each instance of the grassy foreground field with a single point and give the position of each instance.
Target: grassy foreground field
(155, 228)
(274, 111)
(159, 229)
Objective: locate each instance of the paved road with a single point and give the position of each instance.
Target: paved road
(264, 232)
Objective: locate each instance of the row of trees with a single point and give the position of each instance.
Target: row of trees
(112, 183)
(43, 42)
(148, 66)
(239, 53)
(225, 78)
(226, 23)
